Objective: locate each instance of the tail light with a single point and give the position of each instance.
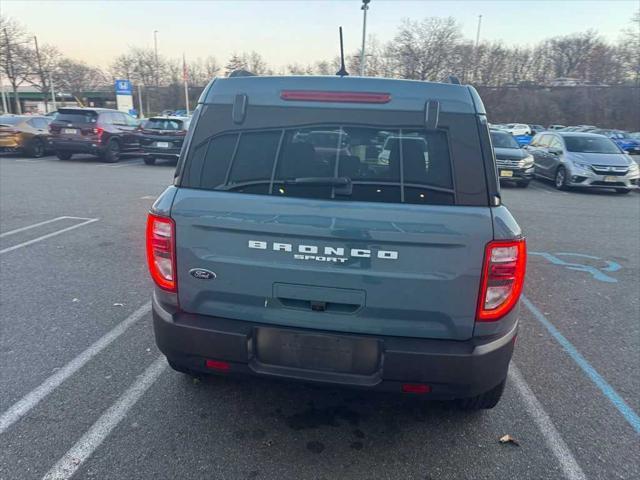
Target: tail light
(161, 251)
(98, 131)
(502, 279)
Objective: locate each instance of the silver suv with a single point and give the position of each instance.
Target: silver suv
(586, 160)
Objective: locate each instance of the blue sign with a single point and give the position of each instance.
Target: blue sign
(123, 87)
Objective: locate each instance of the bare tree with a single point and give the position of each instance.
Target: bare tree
(78, 78)
(14, 52)
(422, 49)
(236, 62)
(42, 63)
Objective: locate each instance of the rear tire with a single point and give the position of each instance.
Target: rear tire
(561, 178)
(36, 148)
(64, 155)
(484, 401)
(623, 190)
(112, 153)
(149, 160)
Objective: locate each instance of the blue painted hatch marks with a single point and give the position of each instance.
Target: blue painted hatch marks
(607, 390)
(596, 272)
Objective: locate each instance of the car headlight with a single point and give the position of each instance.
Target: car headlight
(527, 161)
(582, 165)
(634, 168)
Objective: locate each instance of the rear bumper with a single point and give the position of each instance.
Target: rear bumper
(76, 147)
(453, 369)
(167, 153)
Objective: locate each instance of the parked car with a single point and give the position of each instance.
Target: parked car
(26, 134)
(98, 131)
(536, 128)
(289, 267)
(555, 126)
(623, 139)
(517, 128)
(162, 137)
(515, 165)
(584, 160)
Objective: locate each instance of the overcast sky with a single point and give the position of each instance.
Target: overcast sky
(288, 31)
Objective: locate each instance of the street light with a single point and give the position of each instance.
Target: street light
(155, 49)
(364, 8)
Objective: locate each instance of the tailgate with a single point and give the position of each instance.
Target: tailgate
(377, 268)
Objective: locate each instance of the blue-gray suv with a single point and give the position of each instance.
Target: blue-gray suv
(339, 230)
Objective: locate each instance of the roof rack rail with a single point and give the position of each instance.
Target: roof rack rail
(453, 80)
(241, 73)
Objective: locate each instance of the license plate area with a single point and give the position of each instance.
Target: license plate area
(319, 352)
(506, 173)
(162, 144)
(70, 131)
(611, 179)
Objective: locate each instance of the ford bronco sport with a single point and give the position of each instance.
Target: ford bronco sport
(339, 230)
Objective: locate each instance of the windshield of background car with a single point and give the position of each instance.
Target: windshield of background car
(383, 164)
(164, 124)
(590, 144)
(10, 120)
(503, 140)
(76, 116)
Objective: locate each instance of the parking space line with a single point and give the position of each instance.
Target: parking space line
(22, 406)
(608, 391)
(552, 437)
(49, 235)
(135, 161)
(28, 227)
(21, 160)
(93, 438)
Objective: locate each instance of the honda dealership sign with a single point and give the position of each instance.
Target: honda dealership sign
(124, 95)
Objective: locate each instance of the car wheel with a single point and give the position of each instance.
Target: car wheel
(36, 148)
(112, 153)
(522, 184)
(623, 190)
(484, 401)
(561, 178)
(64, 155)
(149, 160)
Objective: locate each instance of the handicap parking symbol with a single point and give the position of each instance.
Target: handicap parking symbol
(597, 273)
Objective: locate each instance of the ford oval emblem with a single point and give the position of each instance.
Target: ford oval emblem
(202, 274)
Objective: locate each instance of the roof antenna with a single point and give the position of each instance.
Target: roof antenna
(343, 71)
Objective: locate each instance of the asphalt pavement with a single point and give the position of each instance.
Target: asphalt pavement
(85, 394)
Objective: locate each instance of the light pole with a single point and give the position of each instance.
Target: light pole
(155, 50)
(364, 8)
(478, 31)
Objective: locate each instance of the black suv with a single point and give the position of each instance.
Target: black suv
(98, 131)
(162, 137)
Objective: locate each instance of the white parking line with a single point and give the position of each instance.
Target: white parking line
(21, 407)
(49, 235)
(93, 438)
(552, 437)
(28, 227)
(29, 161)
(135, 161)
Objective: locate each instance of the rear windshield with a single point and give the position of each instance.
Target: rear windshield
(164, 124)
(590, 144)
(357, 163)
(503, 140)
(76, 116)
(10, 120)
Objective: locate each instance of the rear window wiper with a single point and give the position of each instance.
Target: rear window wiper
(325, 181)
(342, 185)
